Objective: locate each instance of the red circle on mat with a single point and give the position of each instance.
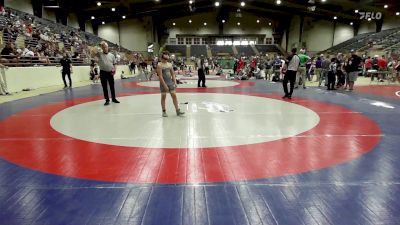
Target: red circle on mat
(29, 141)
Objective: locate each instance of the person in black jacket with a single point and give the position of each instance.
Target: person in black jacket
(66, 64)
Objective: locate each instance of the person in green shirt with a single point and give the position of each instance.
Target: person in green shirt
(302, 69)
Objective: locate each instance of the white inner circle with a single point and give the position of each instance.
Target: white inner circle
(211, 120)
(192, 83)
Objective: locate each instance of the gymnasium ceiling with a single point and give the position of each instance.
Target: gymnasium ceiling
(167, 9)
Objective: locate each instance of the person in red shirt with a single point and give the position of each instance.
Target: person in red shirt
(241, 65)
(29, 29)
(368, 63)
(382, 63)
(254, 63)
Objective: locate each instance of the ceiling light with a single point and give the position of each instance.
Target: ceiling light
(278, 2)
(92, 17)
(123, 17)
(242, 4)
(238, 23)
(270, 23)
(113, 9)
(205, 24)
(369, 19)
(98, 3)
(397, 13)
(323, 0)
(385, 6)
(223, 21)
(190, 21)
(103, 23)
(190, 2)
(258, 21)
(216, 4)
(335, 17)
(356, 11)
(173, 24)
(351, 23)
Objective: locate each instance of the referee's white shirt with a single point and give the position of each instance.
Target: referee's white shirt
(106, 61)
(294, 63)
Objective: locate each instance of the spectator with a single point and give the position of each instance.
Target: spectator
(66, 64)
(3, 81)
(94, 72)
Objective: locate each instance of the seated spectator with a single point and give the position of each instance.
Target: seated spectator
(27, 53)
(9, 53)
(43, 59)
(2, 10)
(94, 72)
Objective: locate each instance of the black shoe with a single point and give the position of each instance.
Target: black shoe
(329, 89)
(289, 97)
(285, 96)
(107, 103)
(204, 86)
(115, 101)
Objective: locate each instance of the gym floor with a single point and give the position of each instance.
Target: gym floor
(240, 155)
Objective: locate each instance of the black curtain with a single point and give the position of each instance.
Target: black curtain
(37, 6)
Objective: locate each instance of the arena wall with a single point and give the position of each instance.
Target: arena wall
(19, 78)
(21, 5)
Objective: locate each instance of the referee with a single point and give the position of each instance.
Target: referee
(107, 63)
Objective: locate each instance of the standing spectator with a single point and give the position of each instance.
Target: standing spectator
(318, 67)
(107, 63)
(206, 67)
(332, 74)
(66, 64)
(302, 69)
(354, 64)
(382, 63)
(201, 72)
(290, 76)
(367, 65)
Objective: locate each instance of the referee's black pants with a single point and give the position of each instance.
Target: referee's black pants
(66, 73)
(107, 77)
(202, 78)
(290, 76)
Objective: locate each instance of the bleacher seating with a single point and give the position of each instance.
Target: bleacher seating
(198, 50)
(179, 50)
(267, 48)
(384, 40)
(49, 39)
(221, 50)
(245, 50)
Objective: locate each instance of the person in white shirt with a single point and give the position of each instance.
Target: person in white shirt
(290, 76)
(27, 53)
